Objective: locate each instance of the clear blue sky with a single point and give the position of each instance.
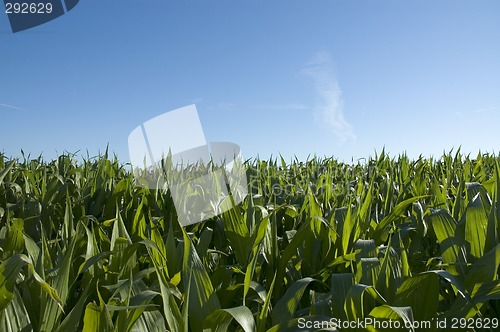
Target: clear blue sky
(335, 78)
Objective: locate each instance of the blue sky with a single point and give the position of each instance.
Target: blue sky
(334, 78)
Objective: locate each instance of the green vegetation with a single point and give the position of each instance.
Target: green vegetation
(85, 248)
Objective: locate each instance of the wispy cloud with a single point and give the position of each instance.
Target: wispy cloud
(11, 107)
(329, 108)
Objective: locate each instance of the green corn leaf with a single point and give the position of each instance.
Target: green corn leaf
(481, 293)
(380, 234)
(357, 306)
(9, 271)
(261, 233)
(476, 226)
(348, 231)
(386, 312)
(151, 321)
(390, 276)
(340, 285)
(96, 319)
(409, 294)
(202, 298)
(237, 232)
(74, 317)
(266, 308)
(451, 240)
(14, 239)
(285, 308)
(15, 317)
(484, 270)
(291, 249)
(220, 320)
(6, 170)
(61, 283)
(170, 307)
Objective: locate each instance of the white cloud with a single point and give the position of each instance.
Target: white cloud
(329, 107)
(12, 107)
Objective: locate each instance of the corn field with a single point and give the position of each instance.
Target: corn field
(83, 247)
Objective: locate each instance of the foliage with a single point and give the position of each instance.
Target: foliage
(85, 247)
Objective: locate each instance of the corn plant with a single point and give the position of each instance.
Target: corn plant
(84, 246)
